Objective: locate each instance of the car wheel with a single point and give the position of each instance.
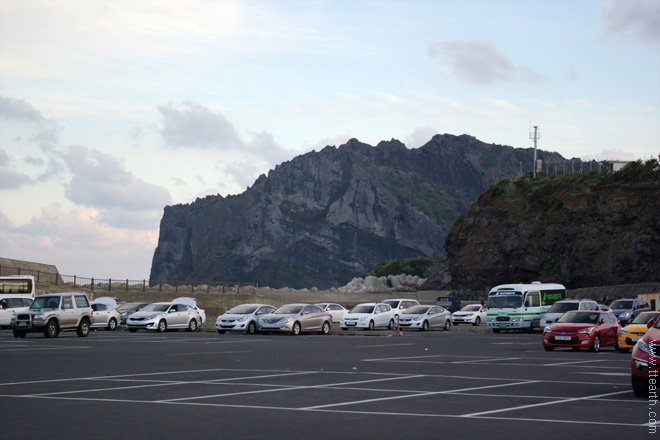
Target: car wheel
(296, 329)
(425, 326)
(162, 325)
(371, 325)
(251, 328)
(640, 386)
(548, 347)
(221, 332)
(325, 329)
(52, 329)
(477, 321)
(19, 334)
(596, 345)
(447, 325)
(391, 325)
(83, 328)
(112, 325)
(192, 325)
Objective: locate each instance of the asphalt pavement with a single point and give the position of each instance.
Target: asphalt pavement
(456, 384)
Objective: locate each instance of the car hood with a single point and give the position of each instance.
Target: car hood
(357, 315)
(142, 314)
(570, 327)
(552, 316)
(636, 328)
(280, 315)
(411, 316)
(617, 312)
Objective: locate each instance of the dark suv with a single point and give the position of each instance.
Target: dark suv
(627, 309)
(53, 313)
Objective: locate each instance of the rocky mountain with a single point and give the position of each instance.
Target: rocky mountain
(326, 217)
(581, 230)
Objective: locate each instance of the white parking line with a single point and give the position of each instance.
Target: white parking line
(574, 399)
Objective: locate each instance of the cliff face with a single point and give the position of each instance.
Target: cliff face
(325, 217)
(582, 230)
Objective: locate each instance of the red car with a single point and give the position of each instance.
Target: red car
(582, 329)
(646, 361)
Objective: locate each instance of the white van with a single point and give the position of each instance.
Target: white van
(521, 306)
(10, 304)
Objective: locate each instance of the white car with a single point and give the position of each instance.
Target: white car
(192, 303)
(12, 304)
(400, 305)
(104, 313)
(161, 316)
(425, 317)
(336, 310)
(242, 318)
(473, 314)
(369, 316)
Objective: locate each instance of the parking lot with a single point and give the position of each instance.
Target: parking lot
(432, 384)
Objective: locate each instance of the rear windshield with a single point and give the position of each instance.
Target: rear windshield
(560, 307)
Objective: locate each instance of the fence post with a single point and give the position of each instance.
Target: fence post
(160, 285)
(38, 275)
(192, 287)
(92, 284)
(176, 286)
(238, 288)
(127, 284)
(144, 286)
(74, 281)
(208, 287)
(109, 284)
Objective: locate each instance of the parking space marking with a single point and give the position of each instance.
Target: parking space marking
(474, 361)
(572, 363)
(41, 348)
(429, 393)
(533, 405)
(381, 345)
(206, 352)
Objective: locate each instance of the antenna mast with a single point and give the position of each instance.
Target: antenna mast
(535, 137)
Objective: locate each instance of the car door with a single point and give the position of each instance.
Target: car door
(68, 313)
(100, 314)
(311, 317)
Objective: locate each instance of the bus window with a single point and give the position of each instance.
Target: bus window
(533, 299)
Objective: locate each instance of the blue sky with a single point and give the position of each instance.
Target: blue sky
(111, 110)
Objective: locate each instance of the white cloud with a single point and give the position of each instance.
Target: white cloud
(102, 181)
(639, 19)
(480, 62)
(420, 136)
(78, 243)
(19, 110)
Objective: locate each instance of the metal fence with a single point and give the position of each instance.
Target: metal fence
(49, 280)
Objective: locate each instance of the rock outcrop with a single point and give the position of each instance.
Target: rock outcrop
(326, 217)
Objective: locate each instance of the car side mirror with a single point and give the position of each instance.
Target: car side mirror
(171, 311)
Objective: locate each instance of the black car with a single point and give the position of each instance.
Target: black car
(126, 310)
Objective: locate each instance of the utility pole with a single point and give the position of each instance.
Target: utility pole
(535, 136)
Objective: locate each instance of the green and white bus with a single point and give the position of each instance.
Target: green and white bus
(520, 306)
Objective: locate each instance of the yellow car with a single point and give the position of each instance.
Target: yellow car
(630, 334)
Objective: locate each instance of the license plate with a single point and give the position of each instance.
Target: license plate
(563, 338)
(634, 339)
(351, 323)
(23, 324)
(501, 325)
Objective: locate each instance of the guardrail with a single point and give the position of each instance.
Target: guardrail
(46, 280)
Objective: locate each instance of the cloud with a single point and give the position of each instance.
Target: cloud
(639, 19)
(102, 181)
(79, 243)
(337, 140)
(20, 110)
(189, 125)
(479, 62)
(420, 136)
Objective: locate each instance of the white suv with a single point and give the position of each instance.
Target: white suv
(563, 306)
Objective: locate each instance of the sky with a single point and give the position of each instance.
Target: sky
(112, 110)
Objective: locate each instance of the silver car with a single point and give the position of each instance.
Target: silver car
(369, 316)
(425, 317)
(105, 313)
(162, 316)
(296, 318)
(242, 318)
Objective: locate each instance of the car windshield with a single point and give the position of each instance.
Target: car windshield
(156, 308)
(504, 301)
(417, 310)
(471, 308)
(243, 309)
(48, 302)
(560, 307)
(621, 304)
(288, 310)
(127, 306)
(579, 318)
(644, 318)
(392, 303)
(363, 309)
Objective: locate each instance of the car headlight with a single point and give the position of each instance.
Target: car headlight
(625, 315)
(242, 318)
(151, 317)
(418, 318)
(490, 319)
(643, 345)
(547, 330)
(518, 319)
(588, 330)
(623, 331)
